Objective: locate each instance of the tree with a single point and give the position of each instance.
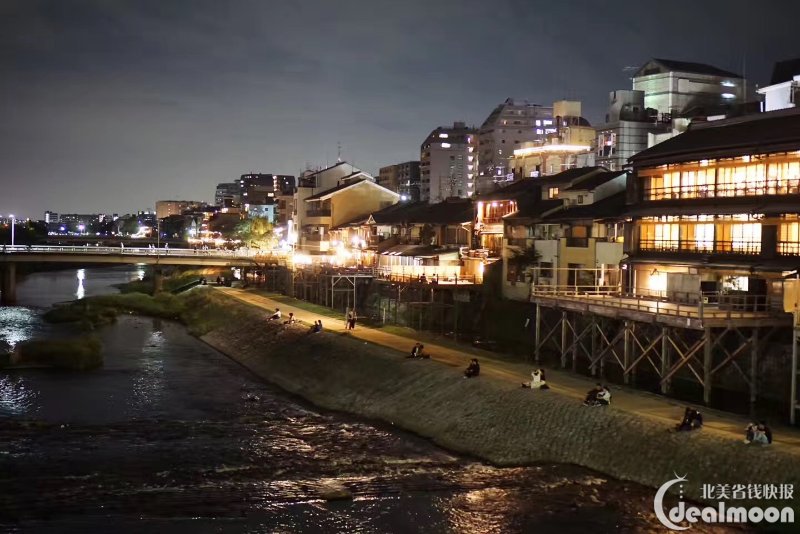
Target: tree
(525, 257)
(257, 232)
(427, 234)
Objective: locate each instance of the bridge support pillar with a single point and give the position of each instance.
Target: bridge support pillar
(158, 281)
(8, 285)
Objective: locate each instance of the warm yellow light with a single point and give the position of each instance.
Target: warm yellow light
(550, 148)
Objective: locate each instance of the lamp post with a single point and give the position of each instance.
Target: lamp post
(13, 223)
(158, 233)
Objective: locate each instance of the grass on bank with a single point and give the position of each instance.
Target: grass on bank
(175, 281)
(425, 337)
(303, 305)
(200, 309)
(76, 354)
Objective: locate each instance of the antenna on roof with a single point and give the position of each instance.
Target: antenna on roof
(338, 152)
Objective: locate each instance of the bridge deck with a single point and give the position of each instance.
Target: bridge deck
(127, 255)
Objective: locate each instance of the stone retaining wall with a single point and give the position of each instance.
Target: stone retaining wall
(490, 419)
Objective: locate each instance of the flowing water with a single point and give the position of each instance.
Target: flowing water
(172, 436)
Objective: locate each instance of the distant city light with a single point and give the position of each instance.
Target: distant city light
(728, 95)
(403, 198)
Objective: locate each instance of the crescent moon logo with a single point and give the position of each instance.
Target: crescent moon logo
(658, 503)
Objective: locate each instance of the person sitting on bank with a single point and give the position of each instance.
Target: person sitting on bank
(415, 350)
(290, 320)
(604, 396)
(537, 380)
(317, 327)
(758, 433)
(275, 316)
(473, 370)
(692, 420)
(591, 396)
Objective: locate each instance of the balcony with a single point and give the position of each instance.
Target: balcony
(701, 247)
(518, 241)
(318, 213)
(744, 188)
(578, 242)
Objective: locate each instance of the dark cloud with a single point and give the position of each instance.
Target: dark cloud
(109, 106)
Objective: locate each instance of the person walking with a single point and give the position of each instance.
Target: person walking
(352, 320)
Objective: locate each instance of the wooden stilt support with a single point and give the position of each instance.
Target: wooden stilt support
(626, 352)
(666, 360)
(707, 366)
(537, 334)
(564, 340)
(753, 370)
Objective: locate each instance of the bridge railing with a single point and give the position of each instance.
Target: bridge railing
(129, 251)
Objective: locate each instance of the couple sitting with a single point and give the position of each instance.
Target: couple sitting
(316, 328)
(598, 396)
(473, 370)
(692, 420)
(417, 352)
(758, 433)
(537, 380)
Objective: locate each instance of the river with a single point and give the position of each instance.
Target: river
(172, 436)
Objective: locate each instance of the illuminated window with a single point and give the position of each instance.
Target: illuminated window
(552, 192)
(746, 238)
(789, 238)
(704, 236)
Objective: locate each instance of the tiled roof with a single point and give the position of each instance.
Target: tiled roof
(595, 180)
(328, 192)
(608, 208)
(688, 66)
(448, 212)
(534, 210)
(775, 131)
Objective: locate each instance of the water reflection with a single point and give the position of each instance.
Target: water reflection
(140, 271)
(81, 292)
(15, 397)
(16, 325)
(149, 383)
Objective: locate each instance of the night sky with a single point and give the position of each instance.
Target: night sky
(109, 106)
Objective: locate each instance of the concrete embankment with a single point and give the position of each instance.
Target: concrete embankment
(487, 418)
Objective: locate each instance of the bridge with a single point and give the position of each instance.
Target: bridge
(10, 256)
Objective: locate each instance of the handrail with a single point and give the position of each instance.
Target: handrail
(699, 305)
(128, 251)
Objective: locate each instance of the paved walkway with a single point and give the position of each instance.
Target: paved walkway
(661, 409)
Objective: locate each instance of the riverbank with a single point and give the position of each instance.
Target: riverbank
(485, 417)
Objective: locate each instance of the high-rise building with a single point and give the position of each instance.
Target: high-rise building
(684, 89)
(509, 126)
(227, 195)
(567, 146)
(165, 208)
(626, 129)
(448, 163)
(402, 178)
(257, 187)
(783, 91)
(50, 217)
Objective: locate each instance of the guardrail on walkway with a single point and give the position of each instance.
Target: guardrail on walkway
(133, 251)
(695, 305)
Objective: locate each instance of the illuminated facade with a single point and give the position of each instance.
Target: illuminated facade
(402, 178)
(716, 209)
(568, 146)
(449, 163)
(508, 127)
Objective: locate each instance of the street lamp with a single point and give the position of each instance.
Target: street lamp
(13, 221)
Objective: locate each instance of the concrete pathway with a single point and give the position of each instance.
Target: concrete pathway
(664, 410)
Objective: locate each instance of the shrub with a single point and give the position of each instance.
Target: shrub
(78, 354)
